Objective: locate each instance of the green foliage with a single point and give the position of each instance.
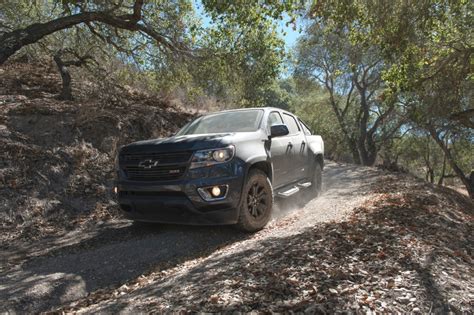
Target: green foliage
(311, 103)
(279, 94)
(426, 47)
(235, 59)
(351, 73)
(239, 58)
(249, 12)
(418, 153)
(428, 44)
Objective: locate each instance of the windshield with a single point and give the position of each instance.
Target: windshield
(235, 121)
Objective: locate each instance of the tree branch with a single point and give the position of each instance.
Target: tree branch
(11, 42)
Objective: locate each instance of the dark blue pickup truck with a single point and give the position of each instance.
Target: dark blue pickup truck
(221, 168)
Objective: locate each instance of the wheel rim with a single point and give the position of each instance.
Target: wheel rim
(256, 200)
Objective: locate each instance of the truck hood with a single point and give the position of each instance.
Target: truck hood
(184, 143)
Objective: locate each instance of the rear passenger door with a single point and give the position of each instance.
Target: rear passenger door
(299, 150)
(308, 155)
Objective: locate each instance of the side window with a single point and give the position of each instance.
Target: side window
(290, 122)
(274, 119)
(305, 128)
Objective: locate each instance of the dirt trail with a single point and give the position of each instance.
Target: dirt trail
(56, 272)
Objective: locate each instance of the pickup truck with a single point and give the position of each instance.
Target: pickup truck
(221, 168)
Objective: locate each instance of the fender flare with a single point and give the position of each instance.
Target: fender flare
(259, 159)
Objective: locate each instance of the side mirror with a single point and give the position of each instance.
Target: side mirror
(278, 131)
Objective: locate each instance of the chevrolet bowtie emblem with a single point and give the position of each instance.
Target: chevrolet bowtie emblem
(148, 163)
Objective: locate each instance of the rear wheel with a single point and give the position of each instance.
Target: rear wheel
(314, 190)
(257, 202)
(316, 180)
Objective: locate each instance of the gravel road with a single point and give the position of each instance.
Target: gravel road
(52, 273)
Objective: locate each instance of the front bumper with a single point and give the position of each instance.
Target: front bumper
(177, 201)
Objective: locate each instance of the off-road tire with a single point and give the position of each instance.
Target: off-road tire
(316, 180)
(255, 211)
(314, 190)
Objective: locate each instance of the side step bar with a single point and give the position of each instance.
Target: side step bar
(304, 185)
(288, 192)
(293, 190)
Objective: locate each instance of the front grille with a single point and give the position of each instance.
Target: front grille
(163, 158)
(157, 173)
(169, 166)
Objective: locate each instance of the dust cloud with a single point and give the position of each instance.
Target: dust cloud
(284, 206)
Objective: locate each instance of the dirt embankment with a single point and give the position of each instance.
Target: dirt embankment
(57, 157)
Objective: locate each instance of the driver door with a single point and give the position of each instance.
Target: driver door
(280, 152)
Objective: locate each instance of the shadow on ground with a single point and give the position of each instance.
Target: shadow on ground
(407, 251)
(112, 256)
(61, 270)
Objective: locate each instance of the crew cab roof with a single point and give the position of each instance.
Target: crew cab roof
(250, 108)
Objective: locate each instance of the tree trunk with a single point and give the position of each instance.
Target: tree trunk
(354, 150)
(361, 142)
(468, 182)
(351, 142)
(66, 91)
(471, 183)
(431, 175)
(365, 144)
(443, 172)
(368, 151)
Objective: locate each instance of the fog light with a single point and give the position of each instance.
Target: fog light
(213, 193)
(216, 191)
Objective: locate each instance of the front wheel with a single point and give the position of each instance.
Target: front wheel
(315, 189)
(257, 202)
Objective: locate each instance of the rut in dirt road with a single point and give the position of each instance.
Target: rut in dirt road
(120, 251)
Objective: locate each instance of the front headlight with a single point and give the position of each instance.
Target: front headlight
(212, 156)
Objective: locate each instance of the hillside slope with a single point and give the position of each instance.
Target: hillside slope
(57, 157)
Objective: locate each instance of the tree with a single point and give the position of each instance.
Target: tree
(310, 102)
(351, 74)
(240, 60)
(163, 39)
(145, 18)
(429, 46)
(78, 61)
